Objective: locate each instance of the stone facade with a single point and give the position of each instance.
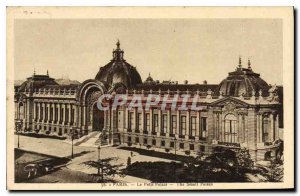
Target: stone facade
(249, 118)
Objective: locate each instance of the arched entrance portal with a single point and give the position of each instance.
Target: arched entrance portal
(98, 118)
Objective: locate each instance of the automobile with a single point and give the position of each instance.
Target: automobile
(37, 169)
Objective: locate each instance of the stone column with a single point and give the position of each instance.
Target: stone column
(79, 112)
(34, 111)
(59, 111)
(143, 121)
(178, 123)
(126, 119)
(261, 128)
(70, 109)
(63, 107)
(271, 128)
(220, 128)
(187, 130)
(48, 116)
(276, 128)
(105, 119)
(159, 123)
(197, 134)
(44, 112)
(134, 128)
(151, 121)
(41, 112)
(258, 128)
(223, 130)
(168, 122)
(84, 116)
(111, 131)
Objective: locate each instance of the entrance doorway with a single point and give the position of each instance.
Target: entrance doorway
(98, 118)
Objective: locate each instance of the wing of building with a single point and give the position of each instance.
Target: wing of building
(242, 111)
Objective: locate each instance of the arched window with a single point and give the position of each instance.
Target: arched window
(21, 111)
(231, 129)
(265, 128)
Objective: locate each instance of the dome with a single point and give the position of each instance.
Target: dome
(119, 71)
(243, 81)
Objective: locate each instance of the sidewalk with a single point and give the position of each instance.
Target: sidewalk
(60, 148)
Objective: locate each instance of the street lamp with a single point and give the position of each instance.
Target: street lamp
(175, 139)
(99, 150)
(73, 134)
(19, 124)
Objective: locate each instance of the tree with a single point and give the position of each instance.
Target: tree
(106, 168)
(244, 159)
(275, 171)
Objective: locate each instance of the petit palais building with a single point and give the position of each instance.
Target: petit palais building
(242, 111)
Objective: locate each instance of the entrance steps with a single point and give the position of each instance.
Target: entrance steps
(91, 141)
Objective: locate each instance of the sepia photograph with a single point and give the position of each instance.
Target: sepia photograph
(150, 98)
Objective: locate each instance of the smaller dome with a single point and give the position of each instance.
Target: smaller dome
(149, 80)
(243, 81)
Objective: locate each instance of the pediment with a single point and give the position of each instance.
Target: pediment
(229, 102)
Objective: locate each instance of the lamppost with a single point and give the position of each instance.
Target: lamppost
(175, 139)
(19, 124)
(73, 134)
(99, 150)
(99, 158)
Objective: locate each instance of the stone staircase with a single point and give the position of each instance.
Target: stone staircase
(85, 138)
(91, 141)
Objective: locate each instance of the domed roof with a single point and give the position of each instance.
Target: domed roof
(119, 71)
(243, 81)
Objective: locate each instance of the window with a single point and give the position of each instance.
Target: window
(131, 120)
(153, 142)
(139, 121)
(265, 129)
(181, 145)
(67, 115)
(61, 114)
(21, 111)
(174, 124)
(155, 122)
(172, 144)
(72, 115)
(182, 125)
(192, 147)
(51, 113)
(230, 129)
(56, 113)
(128, 139)
(164, 123)
(46, 113)
(202, 148)
(37, 112)
(162, 143)
(145, 141)
(147, 122)
(203, 127)
(193, 126)
(137, 140)
(41, 117)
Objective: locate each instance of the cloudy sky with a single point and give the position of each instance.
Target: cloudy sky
(176, 49)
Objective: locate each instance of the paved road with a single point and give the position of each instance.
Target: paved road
(60, 148)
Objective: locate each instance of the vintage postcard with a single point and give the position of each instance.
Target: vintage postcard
(150, 98)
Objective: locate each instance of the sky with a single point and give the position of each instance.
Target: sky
(169, 49)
